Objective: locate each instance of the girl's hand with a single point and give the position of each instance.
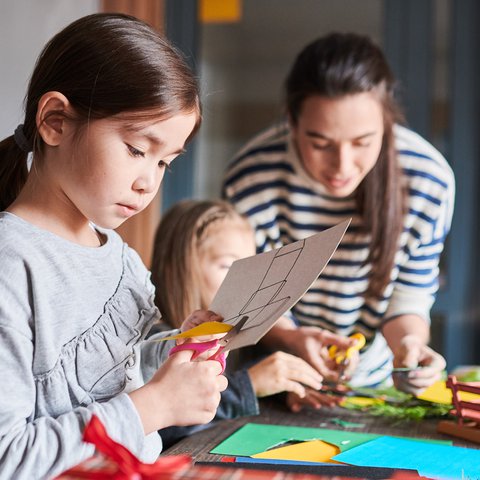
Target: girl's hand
(198, 317)
(180, 393)
(282, 372)
(312, 399)
(413, 352)
(311, 344)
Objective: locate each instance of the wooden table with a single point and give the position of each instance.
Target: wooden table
(199, 444)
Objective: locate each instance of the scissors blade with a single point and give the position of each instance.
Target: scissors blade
(225, 340)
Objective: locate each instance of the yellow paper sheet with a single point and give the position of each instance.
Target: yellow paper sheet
(440, 393)
(312, 451)
(207, 328)
(361, 401)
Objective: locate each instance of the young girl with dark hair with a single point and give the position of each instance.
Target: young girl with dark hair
(110, 105)
(343, 153)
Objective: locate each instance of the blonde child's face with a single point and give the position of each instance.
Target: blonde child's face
(117, 169)
(228, 240)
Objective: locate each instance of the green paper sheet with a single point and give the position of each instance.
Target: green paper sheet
(255, 438)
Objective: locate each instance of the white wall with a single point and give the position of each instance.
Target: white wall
(25, 27)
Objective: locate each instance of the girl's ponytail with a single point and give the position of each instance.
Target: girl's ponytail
(13, 168)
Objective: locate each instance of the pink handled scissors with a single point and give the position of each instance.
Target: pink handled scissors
(201, 347)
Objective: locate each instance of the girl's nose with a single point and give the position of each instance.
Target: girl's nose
(148, 182)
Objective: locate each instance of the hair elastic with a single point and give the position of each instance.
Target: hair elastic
(21, 140)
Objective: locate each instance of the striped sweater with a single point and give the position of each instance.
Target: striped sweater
(267, 182)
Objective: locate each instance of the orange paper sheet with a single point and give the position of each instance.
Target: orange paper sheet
(312, 451)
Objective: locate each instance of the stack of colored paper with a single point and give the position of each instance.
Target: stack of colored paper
(431, 458)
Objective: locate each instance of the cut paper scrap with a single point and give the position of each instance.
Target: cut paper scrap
(254, 438)
(431, 460)
(313, 451)
(440, 393)
(346, 424)
(207, 328)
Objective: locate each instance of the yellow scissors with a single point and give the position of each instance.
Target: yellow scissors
(342, 357)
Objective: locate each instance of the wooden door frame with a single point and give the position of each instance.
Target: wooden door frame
(139, 231)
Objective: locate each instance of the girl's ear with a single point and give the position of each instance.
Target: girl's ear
(52, 112)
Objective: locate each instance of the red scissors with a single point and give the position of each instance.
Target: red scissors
(201, 347)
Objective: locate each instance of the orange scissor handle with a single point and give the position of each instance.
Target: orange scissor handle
(343, 356)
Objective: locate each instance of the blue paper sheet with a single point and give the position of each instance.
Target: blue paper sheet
(431, 460)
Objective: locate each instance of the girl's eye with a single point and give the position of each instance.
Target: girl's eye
(165, 165)
(135, 152)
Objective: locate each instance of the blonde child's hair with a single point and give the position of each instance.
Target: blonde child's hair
(175, 265)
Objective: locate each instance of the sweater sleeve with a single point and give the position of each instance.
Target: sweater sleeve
(155, 351)
(418, 275)
(34, 445)
(45, 446)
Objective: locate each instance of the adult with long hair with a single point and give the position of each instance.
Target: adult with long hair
(341, 153)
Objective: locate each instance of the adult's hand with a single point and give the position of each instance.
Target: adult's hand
(413, 352)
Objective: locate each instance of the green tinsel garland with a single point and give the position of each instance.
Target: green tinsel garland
(398, 405)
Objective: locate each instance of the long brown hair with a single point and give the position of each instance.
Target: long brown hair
(175, 264)
(343, 64)
(105, 64)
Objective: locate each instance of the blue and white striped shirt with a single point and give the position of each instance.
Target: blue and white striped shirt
(267, 182)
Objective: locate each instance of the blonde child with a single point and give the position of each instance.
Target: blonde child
(195, 245)
(110, 105)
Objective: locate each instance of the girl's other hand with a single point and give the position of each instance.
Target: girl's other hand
(198, 317)
(412, 352)
(312, 399)
(282, 372)
(180, 393)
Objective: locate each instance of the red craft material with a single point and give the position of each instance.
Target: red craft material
(124, 465)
